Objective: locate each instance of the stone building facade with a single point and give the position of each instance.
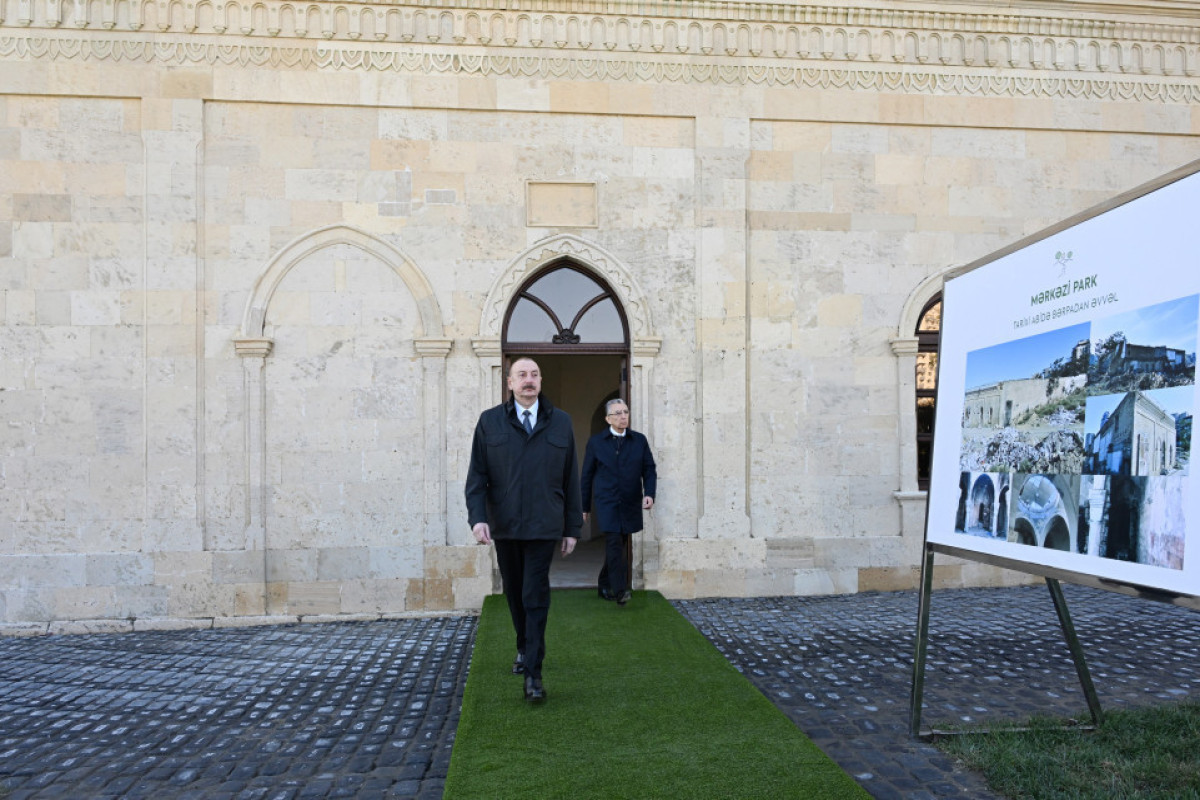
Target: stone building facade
(1004, 403)
(258, 261)
(1126, 357)
(1138, 438)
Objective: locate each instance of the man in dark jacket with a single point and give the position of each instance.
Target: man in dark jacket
(523, 494)
(619, 472)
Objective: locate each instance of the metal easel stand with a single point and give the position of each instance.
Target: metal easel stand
(922, 645)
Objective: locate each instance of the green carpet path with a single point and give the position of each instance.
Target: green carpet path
(640, 705)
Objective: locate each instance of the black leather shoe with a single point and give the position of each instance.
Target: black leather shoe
(519, 664)
(534, 691)
(623, 597)
(604, 594)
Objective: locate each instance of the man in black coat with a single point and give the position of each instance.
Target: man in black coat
(523, 494)
(619, 472)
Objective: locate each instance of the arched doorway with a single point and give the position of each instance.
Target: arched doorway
(571, 321)
(1058, 535)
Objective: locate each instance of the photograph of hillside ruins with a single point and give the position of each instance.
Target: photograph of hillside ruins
(1025, 403)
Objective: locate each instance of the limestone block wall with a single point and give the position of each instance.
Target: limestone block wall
(255, 264)
(845, 220)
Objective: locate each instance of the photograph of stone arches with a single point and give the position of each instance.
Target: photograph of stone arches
(983, 505)
(1128, 518)
(1045, 511)
(1023, 410)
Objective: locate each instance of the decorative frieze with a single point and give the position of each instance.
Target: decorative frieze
(1147, 54)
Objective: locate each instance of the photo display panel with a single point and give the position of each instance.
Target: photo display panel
(1066, 398)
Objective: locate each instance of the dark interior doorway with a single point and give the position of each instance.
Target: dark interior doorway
(580, 385)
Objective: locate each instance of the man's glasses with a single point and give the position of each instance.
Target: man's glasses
(618, 413)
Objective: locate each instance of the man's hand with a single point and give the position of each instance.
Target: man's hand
(647, 503)
(585, 516)
(568, 545)
(483, 534)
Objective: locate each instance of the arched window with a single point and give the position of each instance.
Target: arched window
(565, 306)
(929, 332)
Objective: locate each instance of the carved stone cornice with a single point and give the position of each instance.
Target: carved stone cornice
(904, 346)
(433, 347)
(486, 347)
(647, 346)
(253, 348)
(1135, 50)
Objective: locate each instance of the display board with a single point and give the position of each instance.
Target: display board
(1066, 395)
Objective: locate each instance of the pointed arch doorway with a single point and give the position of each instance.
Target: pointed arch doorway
(571, 321)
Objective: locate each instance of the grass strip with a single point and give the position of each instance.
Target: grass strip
(1136, 754)
(640, 705)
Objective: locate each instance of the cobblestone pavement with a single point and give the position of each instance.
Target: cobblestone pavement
(841, 668)
(299, 711)
(368, 709)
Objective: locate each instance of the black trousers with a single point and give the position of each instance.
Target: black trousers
(614, 575)
(525, 570)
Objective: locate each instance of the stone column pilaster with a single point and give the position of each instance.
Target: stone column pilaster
(433, 353)
(722, 281)
(174, 359)
(254, 353)
(641, 381)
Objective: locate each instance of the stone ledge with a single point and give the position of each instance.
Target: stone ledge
(172, 624)
(317, 619)
(145, 624)
(23, 629)
(91, 626)
(254, 621)
(430, 614)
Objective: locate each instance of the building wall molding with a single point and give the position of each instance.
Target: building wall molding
(1141, 53)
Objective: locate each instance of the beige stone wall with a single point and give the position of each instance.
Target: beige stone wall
(254, 264)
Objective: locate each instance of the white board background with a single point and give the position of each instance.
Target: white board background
(1142, 253)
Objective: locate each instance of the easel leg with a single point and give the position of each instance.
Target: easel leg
(918, 676)
(1085, 677)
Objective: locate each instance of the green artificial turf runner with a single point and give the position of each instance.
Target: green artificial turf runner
(640, 705)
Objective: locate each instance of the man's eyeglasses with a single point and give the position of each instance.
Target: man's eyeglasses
(618, 413)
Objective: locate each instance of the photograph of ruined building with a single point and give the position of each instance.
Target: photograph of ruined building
(1147, 348)
(1024, 405)
(1135, 519)
(1140, 435)
(262, 264)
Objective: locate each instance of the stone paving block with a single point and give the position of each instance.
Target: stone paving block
(232, 712)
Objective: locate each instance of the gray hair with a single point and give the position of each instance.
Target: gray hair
(608, 406)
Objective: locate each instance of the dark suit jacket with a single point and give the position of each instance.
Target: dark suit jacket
(617, 479)
(524, 487)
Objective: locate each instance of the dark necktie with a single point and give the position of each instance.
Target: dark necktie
(528, 427)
